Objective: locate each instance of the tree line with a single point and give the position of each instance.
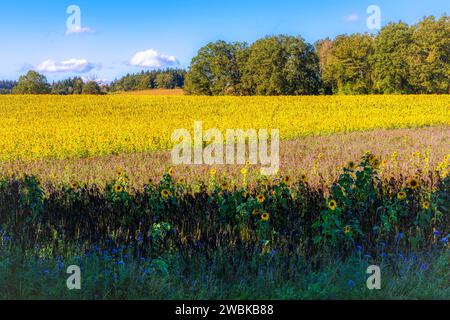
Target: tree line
(36, 83)
(400, 59)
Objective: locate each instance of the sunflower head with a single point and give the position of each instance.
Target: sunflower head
(425, 205)
(74, 185)
(347, 229)
(260, 198)
(351, 165)
(303, 178)
(181, 181)
(119, 172)
(213, 172)
(118, 188)
(257, 212)
(413, 184)
(265, 217)
(165, 193)
(287, 179)
(332, 205)
(170, 172)
(244, 171)
(224, 185)
(401, 195)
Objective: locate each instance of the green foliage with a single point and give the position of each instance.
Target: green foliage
(217, 69)
(161, 79)
(32, 83)
(91, 87)
(348, 68)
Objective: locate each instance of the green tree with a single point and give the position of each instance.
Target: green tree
(391, 68)
(165, 81)
(281, 65)
(348, 65)
(91, 87)
(430, 58)
(32, 83)
(217, 69)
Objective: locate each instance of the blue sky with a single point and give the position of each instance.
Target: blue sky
(123, 36)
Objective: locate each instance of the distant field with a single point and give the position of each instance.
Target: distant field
(156, 92)
(321, 159)
(58, 127)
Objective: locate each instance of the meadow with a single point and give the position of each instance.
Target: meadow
(88, 181)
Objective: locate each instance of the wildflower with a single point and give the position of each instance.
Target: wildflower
(332, 205)
(351, 165)
(413, 184)
(424, 266)
(347, 229)
(165, 193)
(401, 195)
(351, 284)
(257, 212)
(74, 186)
(118, 188)
(425, 205)
(265, 217)
(261, 198)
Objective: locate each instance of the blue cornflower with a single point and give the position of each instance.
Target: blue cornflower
(351, 284)
(424, 266)
(400, 236)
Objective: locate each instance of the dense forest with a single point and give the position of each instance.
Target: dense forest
(400, 59)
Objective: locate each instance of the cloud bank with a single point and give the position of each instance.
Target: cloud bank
(71, 65)
(152, 59)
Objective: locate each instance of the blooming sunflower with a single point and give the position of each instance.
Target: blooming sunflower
(413, 184)
(170, 172)
(243, 171)
(425, 205)
(257, 212)
(165, 193)
(213, 172)
(74, 185)
(261, 198)
(181, 181)
(287, 179)
(265, 217)
(351, 165)
(332, 205)
(401, 195)
(119, 172)
(347, 229)
(303, 178)
(118, 188)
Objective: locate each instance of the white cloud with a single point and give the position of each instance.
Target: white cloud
(152, 59)
(78, 30)
(71, 65)
(352, 18)
(94, 78)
